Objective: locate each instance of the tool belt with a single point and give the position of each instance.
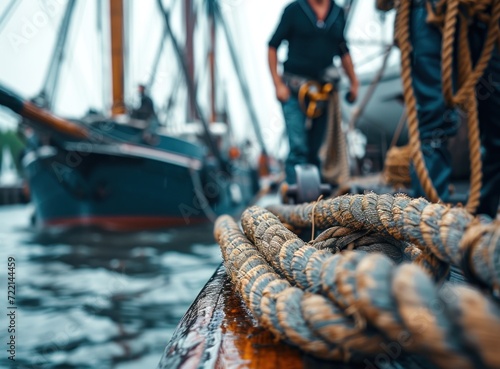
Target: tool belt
(313, 95)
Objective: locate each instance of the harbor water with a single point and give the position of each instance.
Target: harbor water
(89, 299)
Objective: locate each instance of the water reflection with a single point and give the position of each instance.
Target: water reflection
(101, 300)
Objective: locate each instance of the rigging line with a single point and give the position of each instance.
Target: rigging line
(95, 101)
(370, 58)
(105, 89)
(173, 94)
(54, 71)
(7, 13)
(350, 14)
(371, 89)
(77, 66)
(154, 70)
(130, 75)
(241, 77)
(347, 7)
(70, 62)
(191, 88)
(206, 41)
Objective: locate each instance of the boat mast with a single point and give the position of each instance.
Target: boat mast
(189, 21)
(117, 68)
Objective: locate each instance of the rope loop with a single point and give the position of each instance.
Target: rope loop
(370, 279)
(448, 15)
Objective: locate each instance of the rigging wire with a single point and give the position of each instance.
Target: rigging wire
(350, 10)
(70, 62)
(241, 77)
(50, 85)
(173, 94)
(370, 58)
(191, 88)
(154, 70)
(102, 45)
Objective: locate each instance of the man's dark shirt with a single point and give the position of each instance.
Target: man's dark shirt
(311, 44)
(146, 110)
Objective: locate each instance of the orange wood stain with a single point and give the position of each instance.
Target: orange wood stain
(117, 66)
(219, 332)
(33, 112)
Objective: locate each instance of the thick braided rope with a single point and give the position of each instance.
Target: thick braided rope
(467, 75)
(305, 266)
(368, 287)
(337, 239)
(466, 88)
(307, 320)
(447, 48)
(335, 167)
(468, 78)
(442, 230)
(403, 40)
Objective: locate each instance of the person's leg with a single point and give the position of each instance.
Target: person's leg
(297, 137)
(436, 120)
(438, 163)
(488, 99)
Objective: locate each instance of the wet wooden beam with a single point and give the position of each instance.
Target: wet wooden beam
(219, 332)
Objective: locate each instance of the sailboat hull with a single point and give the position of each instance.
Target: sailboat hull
(117, 192)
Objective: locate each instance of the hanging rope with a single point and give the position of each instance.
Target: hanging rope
(350, 305)
(335, 167)
(446, 15)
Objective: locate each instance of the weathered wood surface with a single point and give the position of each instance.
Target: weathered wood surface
(219, 332)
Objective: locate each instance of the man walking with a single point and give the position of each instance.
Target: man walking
(314, 30)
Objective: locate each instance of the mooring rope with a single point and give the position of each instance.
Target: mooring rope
(325, 331)
(451, 234)
(447, 15)
(351, 305)
(335, 168)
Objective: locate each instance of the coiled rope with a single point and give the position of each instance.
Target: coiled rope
(451, 234)
(446, 15)
(350, 305)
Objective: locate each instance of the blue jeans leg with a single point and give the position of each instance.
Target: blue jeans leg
(488, 99)
(436, 120)
(297, 137)
(438, 163)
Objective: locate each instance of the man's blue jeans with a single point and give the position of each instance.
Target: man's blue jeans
(438, 122)
(304, 143)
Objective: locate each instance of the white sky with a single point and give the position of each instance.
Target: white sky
(27, 39)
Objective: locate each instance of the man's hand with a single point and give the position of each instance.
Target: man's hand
(353, 92)
(282, 92)
(385, 5)
(349, 70)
